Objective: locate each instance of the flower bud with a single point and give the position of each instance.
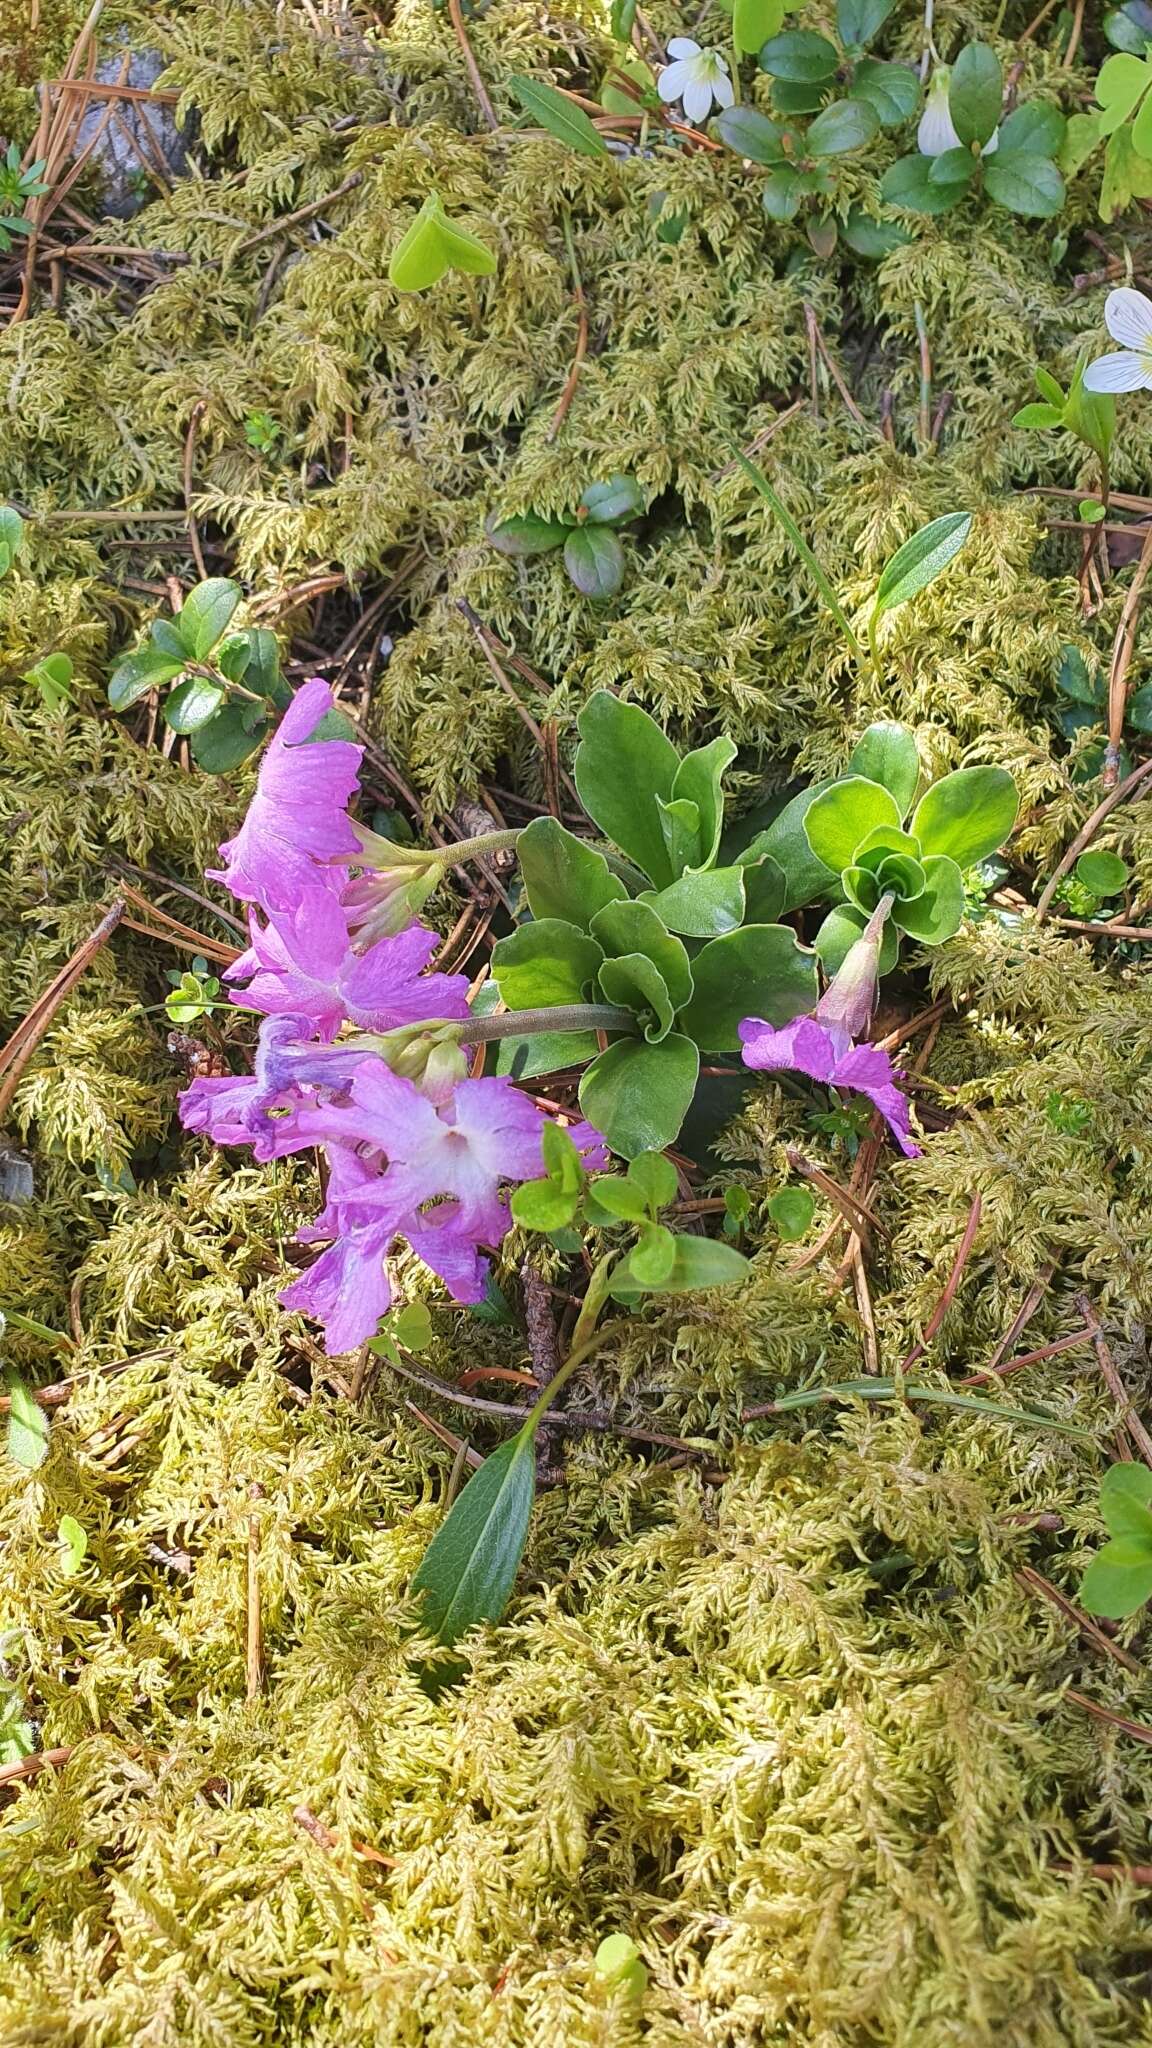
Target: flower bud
(845, 1009)
(432, 1057)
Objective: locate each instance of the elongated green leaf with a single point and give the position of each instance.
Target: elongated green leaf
(759, 971)
(139, 673)
(552, 110)
(921, 559)
(623, 763)
(469, 1567)
(544, 1052)
(545, 963)
(527, 535)
(975, 92)
(563, 877)
(967, 815)
(785, 519)
(937, 1397)
(698, 779)
(638, 1094)
(27, 1427)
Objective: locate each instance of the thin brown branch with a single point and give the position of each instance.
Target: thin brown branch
(1110, 1374)
(189, 460)
(1088, 832)
(31, 1766)
(1035, 1582)
(479, 88)
(963, 1253)
(302, 213)
(1122, 651)
(15, 1055)
(1136, 1729)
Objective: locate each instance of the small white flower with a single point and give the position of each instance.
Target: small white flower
(936, 132)
(1128, 318)
(696, 78)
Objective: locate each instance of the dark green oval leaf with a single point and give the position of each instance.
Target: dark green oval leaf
(908, 183)
(620, 498)
(638, 1094)
(1024, 183)
(594, 560)
(750, 133)
(204, 616)
(563, 877)
(468, 1569)
(891, 90)
(192, 704)
(759, 971)
(623, 763)
(845, 125)
(800, 56)
(975, 93)
(527, 535)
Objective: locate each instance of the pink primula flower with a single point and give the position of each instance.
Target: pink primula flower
(296, 823)
(301, 965)
(824, 1046)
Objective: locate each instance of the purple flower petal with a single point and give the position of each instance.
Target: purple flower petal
(301, 965)
(296, 823)
(347, 1290)
(868, 1071)
(802, 1046)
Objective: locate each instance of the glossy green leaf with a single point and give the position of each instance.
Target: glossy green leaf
(638, 1094)
(937, 913)
(699, 778)
(859, 22)
(636, 984)
(655, 1178)
(205, 614)
(750, 133)
(845, 125)
(908, 183)
(1091, 415)
(792, 1210)
(975, 93)
(619, 498)
(545, 963)
(844, 814)
(753, 21)
(621, 928)
(562, 875)
(544, 1052)
(764, 890)
(1035, 127)
(139, 673)
(192, 704)
(781, 195)
(886, 753)
(1104, 873)
(680, 825)
(27, 1427)
(623, 763)
(920, 561)
(952, 167)
(468, 1569)
(541, 1205)
(1039, 415)
(891, 90)
(594, 560)
(792, 96)
(759, 971)
(800, 56)
(967, 815)
(559, 115)
(1119, 1579)
(703, 906)
(619, 1197)
(1025, 183)
(526, 535)
(229, 738)
(698, 1263)
(872, 239)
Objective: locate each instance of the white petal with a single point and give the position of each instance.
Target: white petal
(1124, 371)
(675, 80)
(936, 133)
(683, 46)
(722, 88)
(697, 99)
(1128, 318)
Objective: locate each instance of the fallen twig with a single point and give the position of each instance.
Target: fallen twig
(1110, 1373)
(1088, 832)
(1035, 1582)
(963, 1253)
(15, 1055)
